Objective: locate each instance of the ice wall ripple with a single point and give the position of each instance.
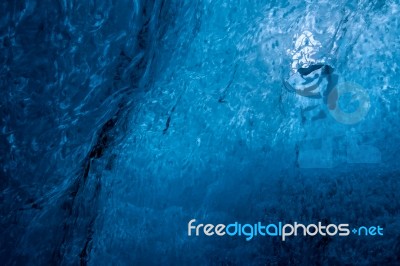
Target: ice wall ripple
(69, 69)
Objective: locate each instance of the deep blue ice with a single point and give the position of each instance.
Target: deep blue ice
(123, 120)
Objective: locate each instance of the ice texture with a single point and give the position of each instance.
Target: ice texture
(123, 120)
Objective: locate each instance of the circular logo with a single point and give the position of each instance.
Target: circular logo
(357, 94)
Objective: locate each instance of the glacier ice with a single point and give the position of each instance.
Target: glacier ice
(123, 120)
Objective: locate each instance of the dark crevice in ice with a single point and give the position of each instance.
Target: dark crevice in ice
(81, 204)
(83, 198)
(226, 89)
(168, 122)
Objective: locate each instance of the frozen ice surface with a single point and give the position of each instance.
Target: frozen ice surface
(123, 120)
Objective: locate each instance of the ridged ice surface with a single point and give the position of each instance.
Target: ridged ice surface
(123, 120)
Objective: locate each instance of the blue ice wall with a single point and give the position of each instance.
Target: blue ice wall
(123, 120)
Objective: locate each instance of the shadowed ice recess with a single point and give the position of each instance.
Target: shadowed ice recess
(123, 120)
